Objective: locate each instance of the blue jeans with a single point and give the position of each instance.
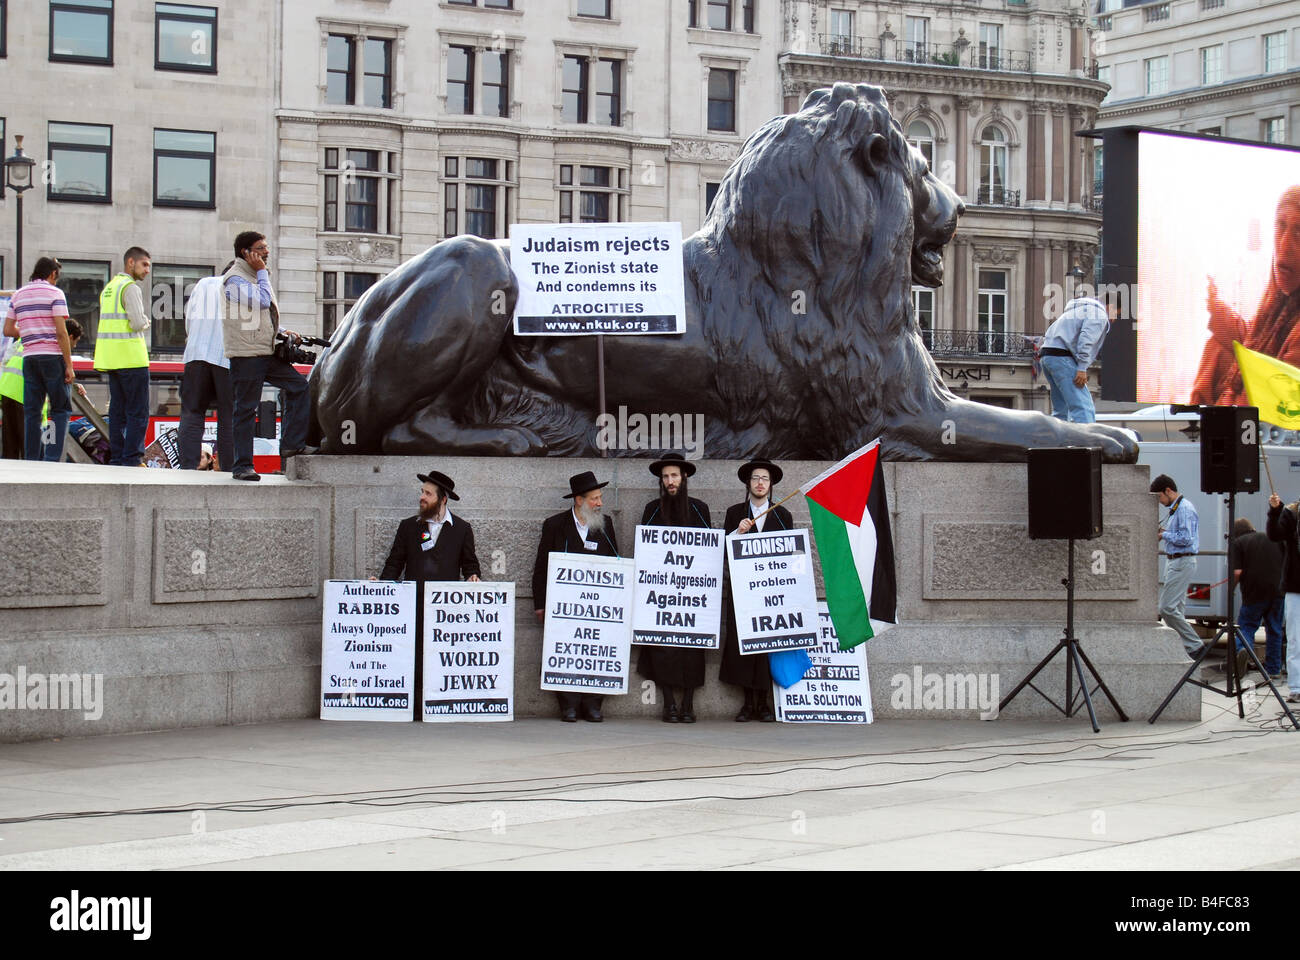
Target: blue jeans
(43, 377)
(1248, 620)
(247, 374)
(128, 415)
(1068, 401)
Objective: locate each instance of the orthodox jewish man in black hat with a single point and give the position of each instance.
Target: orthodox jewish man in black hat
(432, 545)
(672, 667)
(752, 672)
(581, 529)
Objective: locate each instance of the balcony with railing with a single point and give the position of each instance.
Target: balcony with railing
(967, 344)
(967, 55)
(987, 196)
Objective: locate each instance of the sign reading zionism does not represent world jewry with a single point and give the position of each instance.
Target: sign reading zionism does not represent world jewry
(469, 651)
(678, 587)
(773, 591)
(367, 663)
(591, 278)
(835, 689)
(587, 639)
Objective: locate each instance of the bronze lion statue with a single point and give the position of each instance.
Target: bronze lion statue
(800, 340)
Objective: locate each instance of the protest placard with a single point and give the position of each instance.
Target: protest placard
(590, 278)
(367, 663)
(678, 592)
(587, 639)
(835, 690)
(772, 590)
(469, 651)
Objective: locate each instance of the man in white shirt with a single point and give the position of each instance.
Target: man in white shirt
(207, 377)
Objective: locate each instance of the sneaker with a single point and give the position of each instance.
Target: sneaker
(1293, 697)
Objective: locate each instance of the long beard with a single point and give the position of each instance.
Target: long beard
(590, 516)
(430, 513)
(675, 509)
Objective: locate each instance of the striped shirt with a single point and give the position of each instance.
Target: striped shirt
(34, 308)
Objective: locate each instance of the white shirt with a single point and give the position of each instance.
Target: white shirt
(755, 509)
(435, 527)
(204, 338)
(582, 527)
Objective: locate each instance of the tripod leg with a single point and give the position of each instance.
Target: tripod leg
(1205, 651)
(1102, 683)
(1072, 647)
(1033, 673)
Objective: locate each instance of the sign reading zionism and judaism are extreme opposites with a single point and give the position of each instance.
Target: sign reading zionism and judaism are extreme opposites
(367, 664)
(773, 590)
(678, 596)
(469, 651)
(587, 638)
(835, 689)
(587, 278)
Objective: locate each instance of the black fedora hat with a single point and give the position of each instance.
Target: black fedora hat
(673, 460)
(767, 465)
(440, 480)
(581, 483)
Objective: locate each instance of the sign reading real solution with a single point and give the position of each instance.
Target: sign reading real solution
(835, 689)
(678, 595)
(469, 651)
(367, 662)
(587, 278)
(773, 591)
(587, 640)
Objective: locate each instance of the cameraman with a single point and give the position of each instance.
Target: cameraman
(250, 326)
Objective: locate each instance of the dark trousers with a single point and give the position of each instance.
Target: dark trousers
(204, 385)
(582, 702)
(247, 374)
(42, 378)
(128, 415)
(12, 412)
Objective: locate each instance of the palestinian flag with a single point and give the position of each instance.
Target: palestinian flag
(850, 520)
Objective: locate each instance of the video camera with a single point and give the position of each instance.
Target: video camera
(290, 352)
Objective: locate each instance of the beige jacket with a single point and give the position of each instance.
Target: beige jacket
(248, 329)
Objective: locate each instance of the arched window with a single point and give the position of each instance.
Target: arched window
(921, 136)
(993, 166)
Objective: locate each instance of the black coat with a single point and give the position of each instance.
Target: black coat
(674, 666)
(1282, 526)
(560, 535)
(451, 558)
(750, 671)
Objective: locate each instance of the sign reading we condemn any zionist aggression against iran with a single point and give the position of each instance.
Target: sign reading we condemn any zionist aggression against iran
(587, 639)
(773, 591)
(589, 278)
(835, 689)
(469, 651)
(678, 595)
(367, 662)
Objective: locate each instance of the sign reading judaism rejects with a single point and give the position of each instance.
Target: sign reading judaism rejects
(589, 278)
(678, 596)
(367, 662)
(835, 689)
(587, 640)
(469, 651)
(773, 591)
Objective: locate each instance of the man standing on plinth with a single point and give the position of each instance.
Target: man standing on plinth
(581, 529)
(672, 667)
(752, 673)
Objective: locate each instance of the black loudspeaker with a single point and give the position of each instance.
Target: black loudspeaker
(1064, 493)
(1230, 450)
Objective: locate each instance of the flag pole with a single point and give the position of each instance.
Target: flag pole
(775, 505)
(1267, 472)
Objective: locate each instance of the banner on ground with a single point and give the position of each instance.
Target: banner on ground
(772, 590)
(469, 651)
(367, 662)
(835, 690)
(165, 452)
(678, 591)
(592, 278)
(587, 639)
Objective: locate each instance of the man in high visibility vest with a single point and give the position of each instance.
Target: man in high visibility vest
(11, 403)
(122, 351)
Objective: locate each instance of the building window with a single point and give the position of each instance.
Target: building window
(363, 183)
(1156, 12)
(82, 281)
(990, 51)
(923, 310)
(1212, 64)
(349, 59)
(992, 312)
(710, 194)
(1212, 4)
(184, 38)
(81, 31)
(724, 14)
(377, 78)
(464, 63)
(460, 79)
(1103, 24)
(1157, 74)
(1274, 52)
(719, 12)
(1103, 74)
(722, 100)
(921, 136)
(81, 158)
(600, 194)
(4, 28)
(171, 285)
(1274, 130)
(184, 168)
(841, 32)
(577, 92)
(1211, 132)
(476, 196)
(335, 307)
(340, 68)
(594, 8)
(496, 84)
(993, 166)
(916, 34)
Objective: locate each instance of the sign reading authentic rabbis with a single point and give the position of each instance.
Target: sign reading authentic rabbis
(367, 663)
(469, 651)
(773, 591)
(678, 596)
(592, 278)
(586, 642)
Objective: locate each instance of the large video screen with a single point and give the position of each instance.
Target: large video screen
(1218, 259)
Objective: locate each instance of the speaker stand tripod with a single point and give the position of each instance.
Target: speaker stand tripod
(1235, 686)
(1075, 660)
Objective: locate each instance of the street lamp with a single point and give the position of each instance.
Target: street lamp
(18, 178)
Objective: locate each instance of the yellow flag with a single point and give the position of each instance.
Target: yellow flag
(1271, 385)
